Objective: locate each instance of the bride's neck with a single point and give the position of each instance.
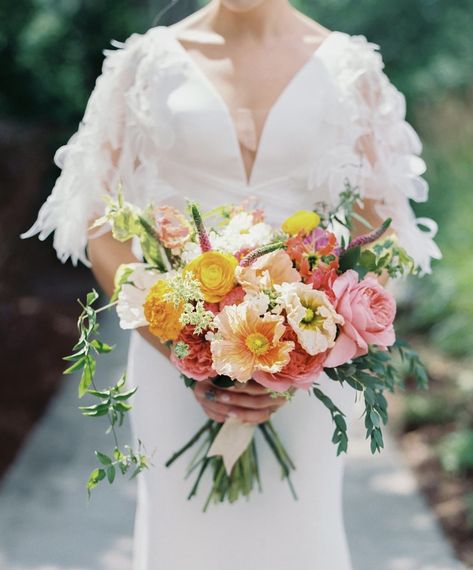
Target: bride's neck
(264, 20)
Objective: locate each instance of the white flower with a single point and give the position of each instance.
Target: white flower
(241, 232)
(311, 315)
(191, 251)
(133, 294)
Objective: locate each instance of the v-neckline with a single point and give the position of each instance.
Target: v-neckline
(248, 180)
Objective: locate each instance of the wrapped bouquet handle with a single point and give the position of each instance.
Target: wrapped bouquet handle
(232, 440)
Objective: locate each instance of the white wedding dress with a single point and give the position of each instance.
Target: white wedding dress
(177, 140)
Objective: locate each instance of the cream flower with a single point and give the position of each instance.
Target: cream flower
(268, 270)
(311, 316)
(241, 232)
(245, 342)
(133, 294)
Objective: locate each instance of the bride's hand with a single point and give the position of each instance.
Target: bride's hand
(249, 402)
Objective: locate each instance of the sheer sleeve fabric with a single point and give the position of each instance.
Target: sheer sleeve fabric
(378, 150)
(115, 143)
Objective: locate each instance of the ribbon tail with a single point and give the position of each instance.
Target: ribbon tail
(231, 441)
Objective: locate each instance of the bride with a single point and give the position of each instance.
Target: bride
(244, 98)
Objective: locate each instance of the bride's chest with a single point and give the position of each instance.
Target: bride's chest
(208, 133)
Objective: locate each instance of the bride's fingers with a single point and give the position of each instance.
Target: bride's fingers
(237, 398)
(244, 400)
(214, 416)
(244, 414)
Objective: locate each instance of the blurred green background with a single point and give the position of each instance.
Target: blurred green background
(50, 56)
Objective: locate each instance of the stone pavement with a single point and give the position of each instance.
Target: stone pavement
(46, 522)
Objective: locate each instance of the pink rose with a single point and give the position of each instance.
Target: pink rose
(300, 372)
(198, 362)
(368, 310)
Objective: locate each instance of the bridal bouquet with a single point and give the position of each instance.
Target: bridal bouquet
(236, 299)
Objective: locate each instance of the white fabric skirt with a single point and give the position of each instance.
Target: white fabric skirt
(271, 530)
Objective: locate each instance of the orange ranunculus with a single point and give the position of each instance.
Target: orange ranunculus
(216, 273)
(162, 315)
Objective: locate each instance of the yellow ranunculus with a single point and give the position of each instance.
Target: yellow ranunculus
(303, 220)
(216, 273)
(162, 316)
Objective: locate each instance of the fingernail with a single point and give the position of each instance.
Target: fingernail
(224, 398)
(231, 415)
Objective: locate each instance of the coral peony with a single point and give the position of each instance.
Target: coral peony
(246, 342)
(323, 279)
(198, 362)
(300, 372)
(234, 297)
(368, 310)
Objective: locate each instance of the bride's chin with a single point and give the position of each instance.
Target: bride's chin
(241, 5)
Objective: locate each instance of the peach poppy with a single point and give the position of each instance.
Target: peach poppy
(246, 342)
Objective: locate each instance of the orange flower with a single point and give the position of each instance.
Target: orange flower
(162, 316)
(246, 342)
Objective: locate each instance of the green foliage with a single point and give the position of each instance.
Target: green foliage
(112, 402)
(456, 451)
(371, 374)
(51, 53)
(427, 409)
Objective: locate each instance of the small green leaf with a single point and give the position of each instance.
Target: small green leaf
(104, 459)
(374, 417)
(125, 395)
(102, 347)
(87, 375)
(94, 479)
(368, 260)
(349, 258)
(94, 411)
(99, 393)
(111, 474)
(92, 296)
(79, 364)
(121, 407)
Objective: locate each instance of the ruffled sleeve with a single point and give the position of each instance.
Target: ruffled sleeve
(377, 150)
(114, 143)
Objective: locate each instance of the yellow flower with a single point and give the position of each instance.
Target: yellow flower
(162, 316)
(216, 273)
(303, 220)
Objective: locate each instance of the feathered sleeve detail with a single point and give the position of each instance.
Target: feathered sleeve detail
(378, 150)
(118, 140)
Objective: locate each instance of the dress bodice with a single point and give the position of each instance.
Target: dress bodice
(176, 140)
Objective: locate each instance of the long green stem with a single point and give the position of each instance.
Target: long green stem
(189, 444)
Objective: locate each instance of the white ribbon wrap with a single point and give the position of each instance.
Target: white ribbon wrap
(231, 441)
